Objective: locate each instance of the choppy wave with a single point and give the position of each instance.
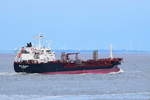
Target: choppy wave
(14, 74)
(8, 73)
(121, 71)
(125, 96)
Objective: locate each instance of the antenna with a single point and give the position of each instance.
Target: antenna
(111, 55)
(39, 37)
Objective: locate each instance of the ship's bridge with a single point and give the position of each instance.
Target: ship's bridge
(38, 54)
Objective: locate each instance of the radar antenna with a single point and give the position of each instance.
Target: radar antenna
(39, 37)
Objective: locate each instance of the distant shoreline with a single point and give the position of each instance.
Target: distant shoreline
(82, 51)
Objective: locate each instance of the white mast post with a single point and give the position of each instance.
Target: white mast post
(111, 54)
(39, 37)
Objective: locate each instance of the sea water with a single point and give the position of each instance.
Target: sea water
(133, 83)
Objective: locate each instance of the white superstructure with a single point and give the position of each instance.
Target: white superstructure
(35, 53)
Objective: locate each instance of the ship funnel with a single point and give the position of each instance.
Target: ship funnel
(95, 55)
(111, 54)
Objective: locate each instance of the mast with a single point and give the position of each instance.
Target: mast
(111, 54)
(95, 55)
(39, 41)
(39, 37)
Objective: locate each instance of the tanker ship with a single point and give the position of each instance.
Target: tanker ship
(39, 59)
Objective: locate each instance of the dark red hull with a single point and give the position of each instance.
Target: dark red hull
(93, 71)
(102, 66)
